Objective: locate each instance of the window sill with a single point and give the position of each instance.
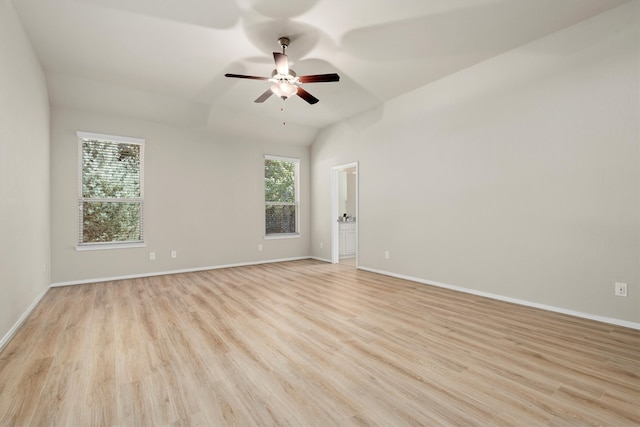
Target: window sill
(101, 246)
(282, 236)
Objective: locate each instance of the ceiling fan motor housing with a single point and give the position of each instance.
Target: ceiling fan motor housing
(284, 42)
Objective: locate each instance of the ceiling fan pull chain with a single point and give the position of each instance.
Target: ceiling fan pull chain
(284, 123)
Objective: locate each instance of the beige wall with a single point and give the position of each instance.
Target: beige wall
(204, 198)
(24, 173)
(518, 177)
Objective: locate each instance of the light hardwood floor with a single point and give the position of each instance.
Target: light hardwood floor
(307, 343)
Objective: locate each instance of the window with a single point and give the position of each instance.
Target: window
(110, 191)
(281, 196)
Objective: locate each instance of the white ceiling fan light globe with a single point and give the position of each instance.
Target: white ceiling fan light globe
(284, 90)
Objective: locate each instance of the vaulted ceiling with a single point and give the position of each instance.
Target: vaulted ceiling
(165, 60)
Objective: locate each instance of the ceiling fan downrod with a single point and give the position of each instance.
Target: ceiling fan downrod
(284, 42)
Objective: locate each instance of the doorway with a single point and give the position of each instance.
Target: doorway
(344, 214)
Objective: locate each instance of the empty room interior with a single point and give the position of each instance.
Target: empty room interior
(320, 212)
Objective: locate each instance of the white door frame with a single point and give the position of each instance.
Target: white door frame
(335, 229)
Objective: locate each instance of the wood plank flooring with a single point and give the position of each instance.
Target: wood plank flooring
(307, 343)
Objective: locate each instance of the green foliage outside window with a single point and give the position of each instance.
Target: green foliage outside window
(111, 203)
(280, 196)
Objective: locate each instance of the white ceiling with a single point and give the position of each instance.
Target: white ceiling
(165, 60)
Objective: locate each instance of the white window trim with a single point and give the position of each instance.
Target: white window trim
(297, 234)
(104, 246)
(93, 246)
(282, 236)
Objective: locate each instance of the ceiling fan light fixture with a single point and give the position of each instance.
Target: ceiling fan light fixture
(285, 81)
(284, 90)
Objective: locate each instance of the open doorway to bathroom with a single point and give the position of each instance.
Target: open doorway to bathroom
(345, 214)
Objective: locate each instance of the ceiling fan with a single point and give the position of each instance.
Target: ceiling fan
(285, 81)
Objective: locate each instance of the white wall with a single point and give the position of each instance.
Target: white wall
(204, 198)
(518, 177)
(347, 192)
(24, 173)
(351, 192)
(342, 192)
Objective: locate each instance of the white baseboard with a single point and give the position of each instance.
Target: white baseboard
(5, 340)
(163, 273)
(589, 316)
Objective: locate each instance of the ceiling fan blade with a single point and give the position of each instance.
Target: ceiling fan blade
(319, 78)
(307, 96)
(242, 76)
(282, 63)
(264, 96)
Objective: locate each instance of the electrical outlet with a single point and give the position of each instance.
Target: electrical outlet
(152, 256)
(386, 254)
(621, 290)
(174, 254)
(260, 248)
